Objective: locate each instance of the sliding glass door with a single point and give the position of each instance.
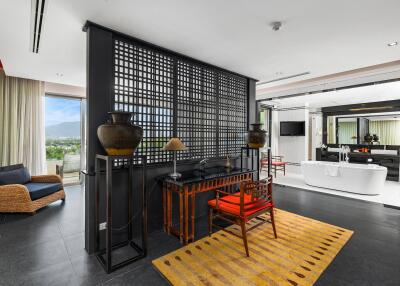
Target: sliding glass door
(63, 121)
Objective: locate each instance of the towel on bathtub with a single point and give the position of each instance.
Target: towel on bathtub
(331, 170)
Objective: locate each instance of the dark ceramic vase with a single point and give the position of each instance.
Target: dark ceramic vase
(375, 138)
(120, 136)
(257, 137)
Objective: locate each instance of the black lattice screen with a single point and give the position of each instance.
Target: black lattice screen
(208, 107)
(232, 114)
(144, 85)
(196, 111)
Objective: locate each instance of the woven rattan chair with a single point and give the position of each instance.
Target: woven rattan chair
(15, 198)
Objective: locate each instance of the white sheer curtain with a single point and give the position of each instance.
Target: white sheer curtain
(22, 123)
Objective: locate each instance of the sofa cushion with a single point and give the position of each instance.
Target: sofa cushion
(11, 167)
(40, 190)
(15, 176)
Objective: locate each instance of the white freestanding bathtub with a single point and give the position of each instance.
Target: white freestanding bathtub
(355, 178)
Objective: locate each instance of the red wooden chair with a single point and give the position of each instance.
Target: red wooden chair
(278, 165)
(253, 200)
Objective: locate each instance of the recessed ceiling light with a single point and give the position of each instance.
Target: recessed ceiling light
(59, 74)
(393, 44)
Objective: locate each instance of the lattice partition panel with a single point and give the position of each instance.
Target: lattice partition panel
(232, 114)
(196, 111)
(144, 85)
(203, 106)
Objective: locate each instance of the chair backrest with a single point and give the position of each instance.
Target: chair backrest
(71, 163)
(260, 193)
(14, 174)
(264, 162)
(277, 158)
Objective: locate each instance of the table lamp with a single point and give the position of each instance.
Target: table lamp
(174, 144)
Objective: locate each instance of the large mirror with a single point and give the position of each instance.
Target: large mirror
(368, 129)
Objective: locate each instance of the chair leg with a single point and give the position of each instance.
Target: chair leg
(271, 213)
(244, 236)
(210, 221)
(284, 170)
(275, 170)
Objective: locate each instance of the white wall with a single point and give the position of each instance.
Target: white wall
(294, 149)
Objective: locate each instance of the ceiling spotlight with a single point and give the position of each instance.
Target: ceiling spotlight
(276, 25)
(393, 44)
(59, 74)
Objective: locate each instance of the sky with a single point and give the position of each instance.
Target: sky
(60, 110)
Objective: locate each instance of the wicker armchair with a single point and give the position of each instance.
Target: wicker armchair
(15, 198)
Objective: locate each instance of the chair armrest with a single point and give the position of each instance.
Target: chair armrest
(46, 179)
(13, 193)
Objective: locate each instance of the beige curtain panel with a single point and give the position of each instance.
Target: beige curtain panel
(347, 133)
(22, 123)
(331, 130)
(387, 130)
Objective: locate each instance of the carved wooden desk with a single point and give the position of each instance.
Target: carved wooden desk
(190, 184)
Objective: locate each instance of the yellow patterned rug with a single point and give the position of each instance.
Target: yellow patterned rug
(303, 250)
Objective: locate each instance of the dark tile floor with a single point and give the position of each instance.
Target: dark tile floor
(48, 248)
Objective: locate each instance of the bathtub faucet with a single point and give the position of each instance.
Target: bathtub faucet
(346, 151)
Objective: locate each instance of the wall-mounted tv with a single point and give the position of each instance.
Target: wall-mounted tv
(292, 128)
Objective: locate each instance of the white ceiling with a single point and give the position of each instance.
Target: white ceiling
(389, 116)
(322, 37)
(372, 93)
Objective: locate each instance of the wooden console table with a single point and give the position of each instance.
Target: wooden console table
(190, 184)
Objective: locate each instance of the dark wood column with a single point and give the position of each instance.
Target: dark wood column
(252, 109)
(99, 63)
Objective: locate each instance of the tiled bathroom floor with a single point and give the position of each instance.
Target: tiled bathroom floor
(390, 194)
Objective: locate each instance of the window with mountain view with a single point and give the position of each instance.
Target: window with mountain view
(63, 137)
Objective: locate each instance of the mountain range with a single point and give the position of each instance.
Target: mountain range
(64, 130)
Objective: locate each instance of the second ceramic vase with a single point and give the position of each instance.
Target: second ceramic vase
(257, 137)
